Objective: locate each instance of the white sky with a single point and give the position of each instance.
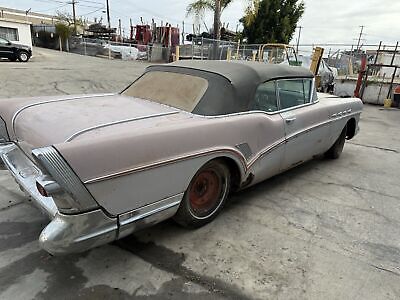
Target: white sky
(324, 21)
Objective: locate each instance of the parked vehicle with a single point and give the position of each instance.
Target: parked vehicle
(328, 74)
(14, 51)
(175, 143)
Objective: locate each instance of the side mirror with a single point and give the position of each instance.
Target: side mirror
(8, 43)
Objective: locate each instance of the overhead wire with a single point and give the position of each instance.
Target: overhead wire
(152, 13)
(53, 9)
(92, 12)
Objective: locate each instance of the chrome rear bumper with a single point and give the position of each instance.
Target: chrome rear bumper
(65, 233)
(25, 173)
(79, 232)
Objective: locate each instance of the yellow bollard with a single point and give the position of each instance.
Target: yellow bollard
(229, 54)
(237, 50)
(177, 54)
(387, 103)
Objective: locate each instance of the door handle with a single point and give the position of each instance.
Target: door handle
(290, 120)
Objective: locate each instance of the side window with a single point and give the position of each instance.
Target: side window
(265, 97)
(294, 92)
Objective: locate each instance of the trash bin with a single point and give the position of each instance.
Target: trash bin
(396, 97)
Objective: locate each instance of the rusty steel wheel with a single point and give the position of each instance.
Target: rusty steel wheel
(205, 195)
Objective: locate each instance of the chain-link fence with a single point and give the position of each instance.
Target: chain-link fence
(209, 49)
(116, 50)
(104, 48)
(343, 62)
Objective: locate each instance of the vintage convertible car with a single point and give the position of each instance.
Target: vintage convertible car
(175, 143)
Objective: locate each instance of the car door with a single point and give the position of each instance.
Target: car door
(269, 133)
(305, 121)
(5, 48)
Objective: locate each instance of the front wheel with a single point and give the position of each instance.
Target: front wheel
(337, 148)
(23, 56)
(205, 196)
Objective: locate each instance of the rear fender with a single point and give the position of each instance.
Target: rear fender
(119, 193)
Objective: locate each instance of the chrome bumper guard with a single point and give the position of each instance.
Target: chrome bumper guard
(79, 232)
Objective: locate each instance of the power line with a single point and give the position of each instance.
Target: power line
(52, 9)
(87, 4)
(70, 2)
(92, 12)
(152, 13)
(54, 1)
(95, 2)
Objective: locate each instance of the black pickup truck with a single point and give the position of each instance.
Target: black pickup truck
(14, 51)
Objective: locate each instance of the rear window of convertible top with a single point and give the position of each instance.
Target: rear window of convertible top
(174, 89)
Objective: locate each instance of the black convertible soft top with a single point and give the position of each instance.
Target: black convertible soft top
(232, 85)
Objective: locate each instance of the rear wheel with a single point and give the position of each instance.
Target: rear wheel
(205, 196)
(23, 56)
(337, 148)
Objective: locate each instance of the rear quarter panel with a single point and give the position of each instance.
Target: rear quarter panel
(131, 169)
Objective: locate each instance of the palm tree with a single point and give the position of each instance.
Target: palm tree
(199, 7)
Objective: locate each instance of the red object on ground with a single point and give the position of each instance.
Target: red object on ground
(360, 76)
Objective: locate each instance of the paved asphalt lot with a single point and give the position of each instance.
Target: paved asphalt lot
(325, 230)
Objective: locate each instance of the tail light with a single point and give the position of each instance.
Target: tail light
(47, 187)
(41, 189)
(61, 183)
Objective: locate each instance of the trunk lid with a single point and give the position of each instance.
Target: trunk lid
(46, 121)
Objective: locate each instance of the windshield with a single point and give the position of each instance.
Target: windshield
(174, 89)
(3, 41)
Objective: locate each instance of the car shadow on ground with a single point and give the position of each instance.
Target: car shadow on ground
(143, 245)
(146, 243)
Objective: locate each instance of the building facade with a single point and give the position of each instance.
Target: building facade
(27, 16)
(16, 31)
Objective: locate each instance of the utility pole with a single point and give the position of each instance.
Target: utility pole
(74, 15)
(120, 30)
(298, 40)
(108, 15)
(359, 38)
(131, 29)
(183, 32)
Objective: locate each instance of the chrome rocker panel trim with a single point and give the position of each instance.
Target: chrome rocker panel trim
(79, 232)
(148, 215)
